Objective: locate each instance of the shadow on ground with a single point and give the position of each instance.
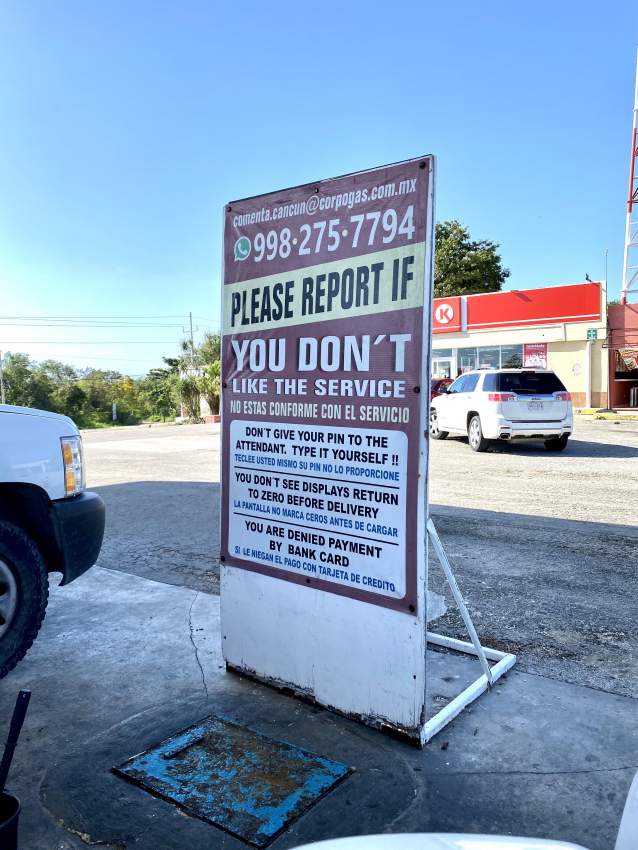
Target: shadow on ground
(163, 530)
(558, 593)
(578, 448)
(122, 663)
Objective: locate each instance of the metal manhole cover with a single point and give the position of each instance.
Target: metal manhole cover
(234, 778)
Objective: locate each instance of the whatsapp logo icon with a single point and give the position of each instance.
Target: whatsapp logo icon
(242, 248)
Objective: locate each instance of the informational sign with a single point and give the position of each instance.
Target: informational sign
(592, 333)
(535, 355)
(325, 351)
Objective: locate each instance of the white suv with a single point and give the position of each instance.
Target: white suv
(504, 404)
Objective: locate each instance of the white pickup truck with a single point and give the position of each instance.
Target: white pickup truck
(48, 523)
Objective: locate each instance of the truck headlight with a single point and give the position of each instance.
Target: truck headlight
(73, 466)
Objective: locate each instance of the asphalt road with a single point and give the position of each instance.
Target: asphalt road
(544, 546)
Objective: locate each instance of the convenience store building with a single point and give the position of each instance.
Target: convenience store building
(563, 328)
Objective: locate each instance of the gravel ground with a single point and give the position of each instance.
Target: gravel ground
(161, 488)
(544, 546)
(545, 549)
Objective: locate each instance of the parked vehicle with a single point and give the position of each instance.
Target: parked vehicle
(504, 404)
(436, 384)
(48, 523)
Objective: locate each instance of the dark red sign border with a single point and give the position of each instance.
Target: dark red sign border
(409, 602)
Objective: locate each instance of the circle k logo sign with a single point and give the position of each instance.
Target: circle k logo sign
(444, 314)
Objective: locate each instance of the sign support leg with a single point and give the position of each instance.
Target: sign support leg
(504, 660)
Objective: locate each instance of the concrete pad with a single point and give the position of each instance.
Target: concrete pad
(123, 663)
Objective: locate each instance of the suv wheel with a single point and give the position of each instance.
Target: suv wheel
(24, 592)
(435, 431)
(556, 445)
(478, 443)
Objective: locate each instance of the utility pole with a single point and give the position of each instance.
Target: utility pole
(1, 380)
(192, 346)
(630, 262)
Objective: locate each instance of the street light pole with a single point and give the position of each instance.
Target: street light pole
(1, 380)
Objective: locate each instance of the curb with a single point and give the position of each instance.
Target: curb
(628, 417)
(128, 427)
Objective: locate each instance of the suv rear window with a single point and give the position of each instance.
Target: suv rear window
(489, 383)
(529, 383)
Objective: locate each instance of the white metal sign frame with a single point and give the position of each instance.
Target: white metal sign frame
(366, 661)
(490, 675)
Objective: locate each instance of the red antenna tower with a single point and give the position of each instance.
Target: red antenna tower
(630, 264)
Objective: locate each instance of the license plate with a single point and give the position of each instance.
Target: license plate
(534, 405)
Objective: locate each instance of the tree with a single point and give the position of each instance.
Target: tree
(189, 396)
(26, 386)
(66, 395)
(206, 358)
(160, 387)
(204, 354)
(462, 266)
(210, 349)
(99, 386)
(209, 384)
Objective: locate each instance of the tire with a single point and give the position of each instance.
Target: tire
(24, 592)
(556, 445)
(478, 443)
(435, 431)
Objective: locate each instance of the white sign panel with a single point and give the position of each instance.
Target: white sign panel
(321, 502)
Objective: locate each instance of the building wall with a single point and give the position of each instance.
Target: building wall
(568, 359)
(623, 324)
(566, 340)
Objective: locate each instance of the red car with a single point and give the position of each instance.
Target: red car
(437, 383)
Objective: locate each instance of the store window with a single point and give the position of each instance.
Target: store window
(511, 357)
(465, 360)
(490, 357)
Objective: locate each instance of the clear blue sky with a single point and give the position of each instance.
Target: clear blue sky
(127, 125)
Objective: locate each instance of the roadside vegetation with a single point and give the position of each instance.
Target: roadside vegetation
(88, 395)
(462, 266)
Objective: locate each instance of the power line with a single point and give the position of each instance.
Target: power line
(91, 342)
(96, 324)
(106, 325)
(109, 359)
(97, 318)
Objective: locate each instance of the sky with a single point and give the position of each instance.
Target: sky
(127, 126)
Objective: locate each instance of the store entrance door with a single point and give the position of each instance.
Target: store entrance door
(442, 368)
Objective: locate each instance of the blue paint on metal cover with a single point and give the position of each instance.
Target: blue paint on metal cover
(239, 780)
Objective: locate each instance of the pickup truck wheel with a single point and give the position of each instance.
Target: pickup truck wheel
(435, 431)
(24, 592)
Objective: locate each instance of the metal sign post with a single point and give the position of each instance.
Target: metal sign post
(327, 300)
